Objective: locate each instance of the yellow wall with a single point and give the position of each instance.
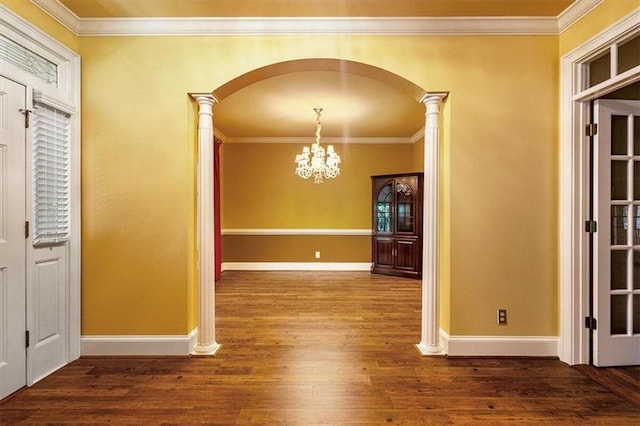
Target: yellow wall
(262, 191)
(261, 194)
(499, 213)
(138, 176)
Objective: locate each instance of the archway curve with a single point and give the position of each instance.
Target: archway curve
(430, 336)
(320, 64)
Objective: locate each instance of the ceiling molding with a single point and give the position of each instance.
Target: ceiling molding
(60, 13)
(325, 140)
(316, 26)
(575, 12)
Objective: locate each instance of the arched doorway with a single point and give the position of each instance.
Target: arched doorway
(430, 336)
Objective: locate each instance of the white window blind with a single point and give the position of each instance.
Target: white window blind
(50, 174)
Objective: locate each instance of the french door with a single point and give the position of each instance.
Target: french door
(616, 288)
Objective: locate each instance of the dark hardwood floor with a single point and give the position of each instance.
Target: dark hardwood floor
(623, 381)
(306, 348)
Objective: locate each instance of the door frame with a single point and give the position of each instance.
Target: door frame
(66, 92)
(573, 241)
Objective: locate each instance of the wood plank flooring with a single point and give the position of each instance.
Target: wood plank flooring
(305, 348)
(623, 381)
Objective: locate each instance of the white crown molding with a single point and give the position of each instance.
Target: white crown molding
(575, 12)
(247, 231)
(218, 134)
(417, 136)
(60, 13)
(325, 140)
(296, 266)
(318, 26)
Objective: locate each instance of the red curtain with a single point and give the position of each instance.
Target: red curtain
(216, 212)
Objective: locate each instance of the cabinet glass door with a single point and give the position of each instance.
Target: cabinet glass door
(383, 209)
(405, 207)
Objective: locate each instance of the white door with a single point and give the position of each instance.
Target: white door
(616, 289)
(12, 237)
(47, 311)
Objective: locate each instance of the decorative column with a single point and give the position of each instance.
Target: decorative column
(206, 333)
(430, 338)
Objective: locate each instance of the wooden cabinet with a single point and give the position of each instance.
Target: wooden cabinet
(396, 246)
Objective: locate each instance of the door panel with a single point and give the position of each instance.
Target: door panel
(384, 250)
(47, 309)
(406, 254)
(12, 238)
(617, 243)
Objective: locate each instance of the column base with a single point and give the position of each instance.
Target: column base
(428, 350)
(209, 350)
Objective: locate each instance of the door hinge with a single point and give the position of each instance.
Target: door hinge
(591, 129)
(26, 113)
(26, 229)
(591, 226)
(590, 323)
(26, 338)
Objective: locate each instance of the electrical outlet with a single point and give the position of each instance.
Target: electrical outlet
(317, 255)
(502, 316)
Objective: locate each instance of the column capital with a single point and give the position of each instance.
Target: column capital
(433, 97)
(204, 98)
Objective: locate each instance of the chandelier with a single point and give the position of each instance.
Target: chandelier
(315, 162)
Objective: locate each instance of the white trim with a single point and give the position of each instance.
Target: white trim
(316, 26)
(296, 266)
(60, 13)
(573, 347)
(206, 336)
(444, 341)
(621, 80)
(282, 231)
(499, 345)
(517, 25)
(430, 333)
(331, 140)
(56, 103)
(138, 345)
(575, 12)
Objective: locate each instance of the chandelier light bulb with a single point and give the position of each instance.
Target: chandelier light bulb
(315, 162)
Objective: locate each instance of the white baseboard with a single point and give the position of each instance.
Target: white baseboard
(499, 345)
(138, 345)
(296, 266)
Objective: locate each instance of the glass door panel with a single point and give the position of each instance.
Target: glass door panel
(619, 176)
(383, 209)
(405, 208)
